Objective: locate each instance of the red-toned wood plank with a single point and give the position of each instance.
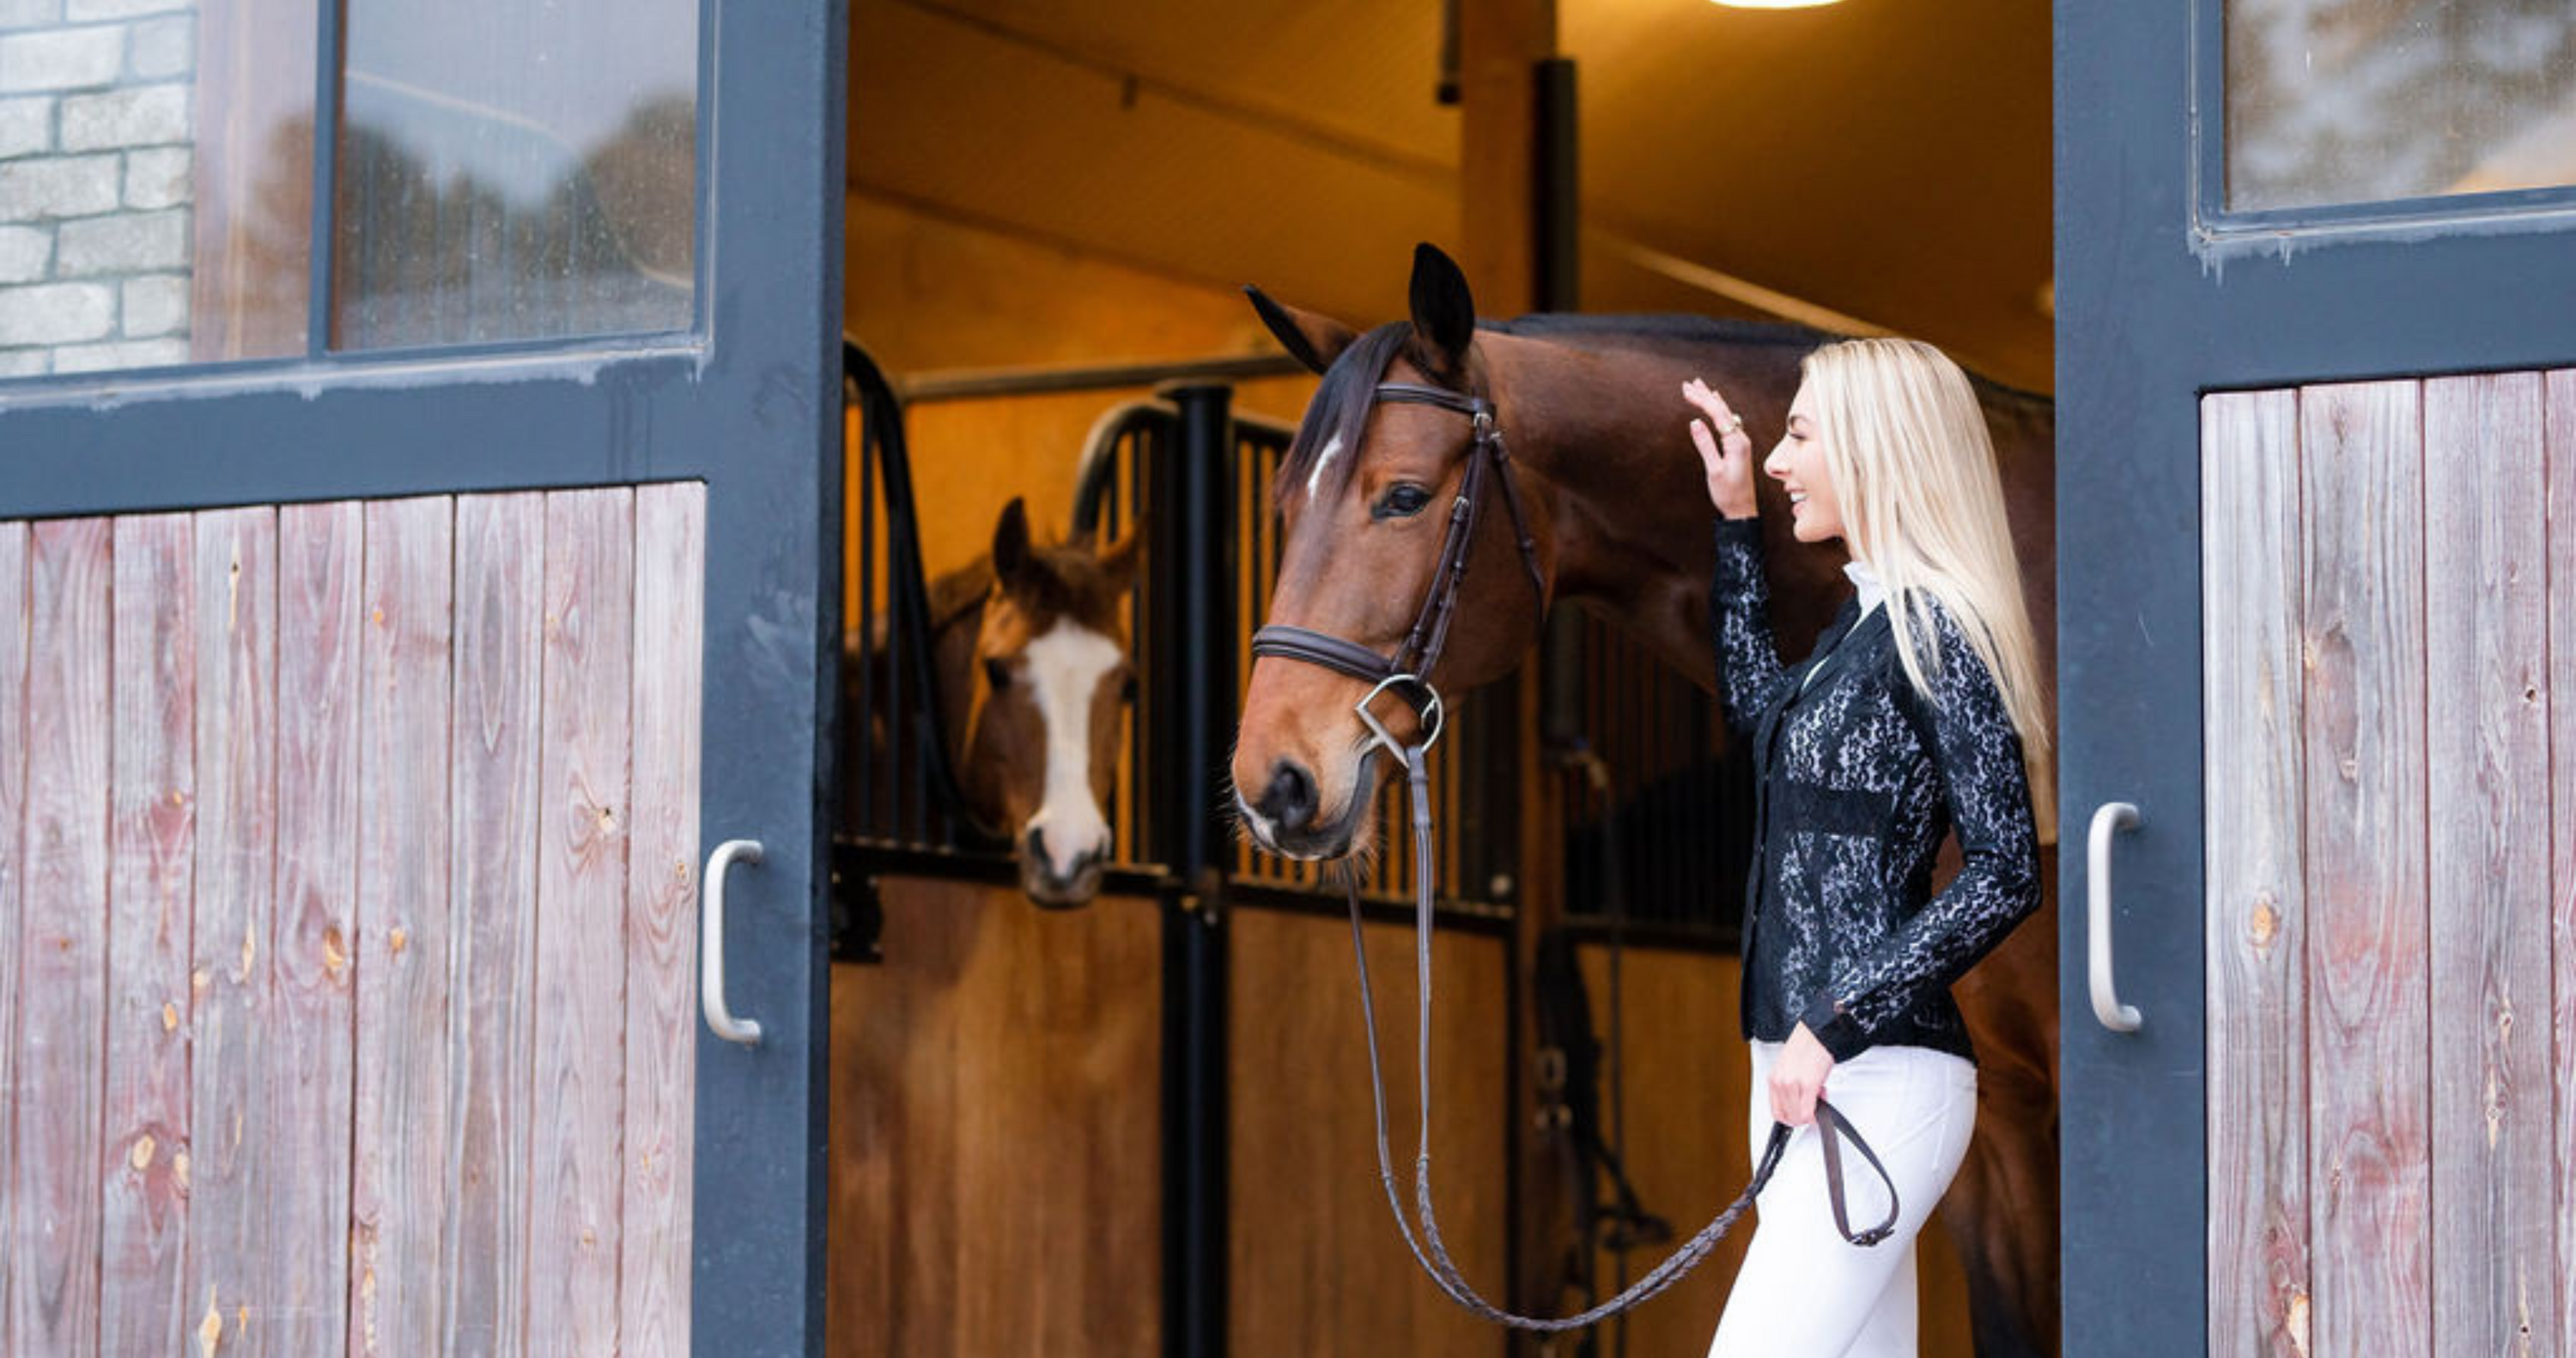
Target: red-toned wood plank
(145, 1222)
(53, 1207)
(578, 1101)
(985, 1106)
(398, 1192)
(2361, 473)
(2560, 457)
(2485, 564)
(661, 942)
(309, 1075)
(499, 631)
(2257, 903)
(13, 788)
(236, 860)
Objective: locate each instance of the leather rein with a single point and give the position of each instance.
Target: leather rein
(1408, 672)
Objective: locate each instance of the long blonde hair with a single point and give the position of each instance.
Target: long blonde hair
(1922, 504)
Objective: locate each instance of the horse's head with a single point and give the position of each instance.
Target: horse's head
(1045, 695)
(1366, 495)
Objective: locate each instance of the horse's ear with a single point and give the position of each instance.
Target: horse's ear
(1444, 312)
(1119, 559)
(1011, 543)
(1309, 338)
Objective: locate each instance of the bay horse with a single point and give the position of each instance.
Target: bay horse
(1030, 655)
(1619, 520)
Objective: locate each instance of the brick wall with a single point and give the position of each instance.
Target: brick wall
(96, 105)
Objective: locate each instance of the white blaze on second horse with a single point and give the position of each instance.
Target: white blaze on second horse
(1066, 667)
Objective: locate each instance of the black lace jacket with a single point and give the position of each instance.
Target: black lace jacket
(1858, 777)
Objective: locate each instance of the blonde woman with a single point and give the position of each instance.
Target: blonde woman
(1915, 717)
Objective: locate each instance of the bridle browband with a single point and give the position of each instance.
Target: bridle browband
(1408, 671)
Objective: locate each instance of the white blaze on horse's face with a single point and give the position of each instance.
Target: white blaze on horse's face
(1066, 667)
(1315, 478)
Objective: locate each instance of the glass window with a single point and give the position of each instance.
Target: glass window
(156, 184)
(502, 170)
(2363, 101)
(510, 170)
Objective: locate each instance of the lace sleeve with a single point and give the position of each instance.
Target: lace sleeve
(1986, 788)
(1749, 672)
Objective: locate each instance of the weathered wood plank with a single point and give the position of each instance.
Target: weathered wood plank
(13, 788)
(310, 1071)
(145, 1224)
(2257, 906)
(2485, 565)
(661, 943)
(499, 632)
(53, 1200)
(236, 858)
(399, 1175)
(2560, 457)
(2361, 473)
(1326, 1273)
(995, 1136)
(578, 1100)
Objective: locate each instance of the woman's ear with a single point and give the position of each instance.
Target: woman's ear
(1311, 339)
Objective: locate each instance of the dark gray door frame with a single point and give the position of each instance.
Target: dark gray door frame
(2161, 299)
(749, 402)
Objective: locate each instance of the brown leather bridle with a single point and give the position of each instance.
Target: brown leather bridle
(1408, 671)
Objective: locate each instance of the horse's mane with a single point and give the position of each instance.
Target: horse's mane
(1340, 408)
(959, 592)
(1648, 330)
(1660, 330)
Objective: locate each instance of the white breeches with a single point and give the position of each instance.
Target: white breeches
(1804, 1291)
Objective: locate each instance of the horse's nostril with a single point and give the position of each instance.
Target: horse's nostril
(1289, 801)
(1035, 845)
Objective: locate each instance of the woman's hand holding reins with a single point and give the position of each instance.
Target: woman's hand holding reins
(1725, 451)
(1798, 1078)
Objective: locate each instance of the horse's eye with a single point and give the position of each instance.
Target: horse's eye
(997, 672)
(1401, 501)
(1127, 689)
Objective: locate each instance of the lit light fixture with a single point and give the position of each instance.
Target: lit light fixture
(1774, 4)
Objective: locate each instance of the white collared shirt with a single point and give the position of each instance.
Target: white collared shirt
(1872, 594)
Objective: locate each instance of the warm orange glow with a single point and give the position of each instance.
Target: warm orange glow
(1774, 4)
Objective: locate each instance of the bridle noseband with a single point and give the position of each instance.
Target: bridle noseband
(1408, 671)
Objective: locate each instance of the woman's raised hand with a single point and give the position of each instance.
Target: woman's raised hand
(1725, 451)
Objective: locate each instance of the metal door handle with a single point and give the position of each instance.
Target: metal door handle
(711, 968)
(2109, 818)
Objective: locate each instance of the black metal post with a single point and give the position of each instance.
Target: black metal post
(1192, 562)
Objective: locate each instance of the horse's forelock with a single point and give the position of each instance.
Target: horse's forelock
(1338, 415)
(1065, 582)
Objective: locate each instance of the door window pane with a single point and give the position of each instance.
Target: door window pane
(156, 184)
(2361, 101)
(514, 169)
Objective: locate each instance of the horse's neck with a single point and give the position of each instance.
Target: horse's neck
(1605, 432)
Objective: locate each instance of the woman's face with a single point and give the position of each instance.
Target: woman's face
(1798, 464)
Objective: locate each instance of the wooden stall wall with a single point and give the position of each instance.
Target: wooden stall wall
(996, 1169)
(2390, 608)
(1316, 1266)
(927, 294)
(346, 867)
